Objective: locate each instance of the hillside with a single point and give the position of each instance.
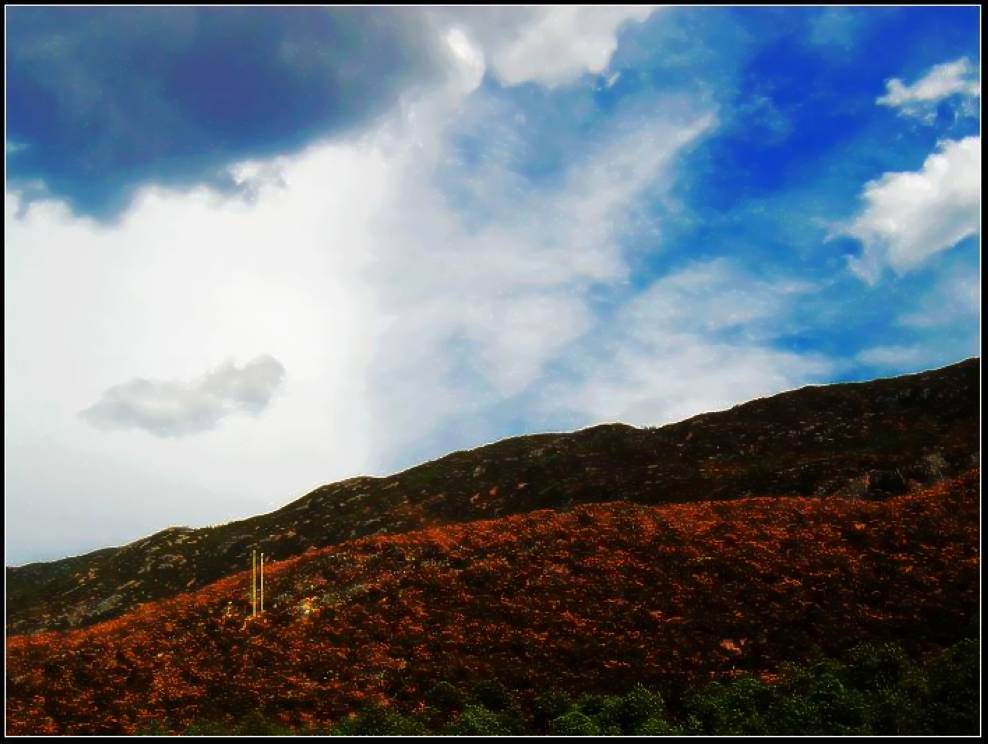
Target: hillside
(593, 599)
(869, 440)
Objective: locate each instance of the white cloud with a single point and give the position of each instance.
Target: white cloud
(919, 100)
(910, 216)
(480, 305)
(953, 301)
(469, 58)
(410, 322)
(611, 79)
(407, 321)
(896, 357)
(696, 340)
(552, 45)
(182, 282)
(169, 408)
(837, 27)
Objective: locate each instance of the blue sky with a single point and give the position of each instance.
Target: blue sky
(250, 251)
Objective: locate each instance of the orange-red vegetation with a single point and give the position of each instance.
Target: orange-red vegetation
(596, 598)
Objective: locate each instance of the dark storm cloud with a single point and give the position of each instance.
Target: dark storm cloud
(101, 100)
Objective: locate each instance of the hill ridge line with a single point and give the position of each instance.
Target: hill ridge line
(469, 450)
(869, 439)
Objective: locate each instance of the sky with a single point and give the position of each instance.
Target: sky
(250, 251)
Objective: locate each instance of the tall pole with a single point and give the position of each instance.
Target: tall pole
(253, 583)
(262, 583)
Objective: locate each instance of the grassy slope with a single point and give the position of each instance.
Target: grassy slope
(870, 439)
(593, 599)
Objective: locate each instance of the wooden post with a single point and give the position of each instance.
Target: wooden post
(262, 583)
(253, 583)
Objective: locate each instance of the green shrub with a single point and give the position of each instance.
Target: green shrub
(492, 695)
(592, 704)
(954, 689)
(548, 706)
(876, 689)
(605, 711)
(898, 710)
(574, 723)
(740, 707)
(255, 724)
(871, 666)
(657, 727)
(476, 720)
(446, 697)
(377, 721)
(636, 707)
(209, 728)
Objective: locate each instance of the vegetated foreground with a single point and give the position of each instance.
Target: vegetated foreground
(595, 599)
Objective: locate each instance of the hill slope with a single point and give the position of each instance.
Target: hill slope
(870, 440)
(593, 599)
